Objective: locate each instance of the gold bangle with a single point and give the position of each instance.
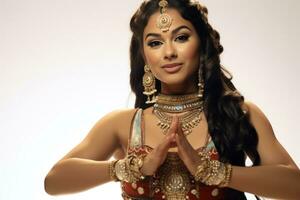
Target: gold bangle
(112, 171)
(213, 172)
(128, 169)
(228, 175)
(135, 163)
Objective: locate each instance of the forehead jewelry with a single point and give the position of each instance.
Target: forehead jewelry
(164, 21)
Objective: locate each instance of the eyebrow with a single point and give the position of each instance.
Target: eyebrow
(173, 32)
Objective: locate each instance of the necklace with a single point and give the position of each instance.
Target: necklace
(191, 104)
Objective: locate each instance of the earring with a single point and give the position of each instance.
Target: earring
(149, 85)
(200, 84)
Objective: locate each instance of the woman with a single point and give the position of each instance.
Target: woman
(191, 131)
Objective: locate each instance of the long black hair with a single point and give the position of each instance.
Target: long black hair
(228, 125)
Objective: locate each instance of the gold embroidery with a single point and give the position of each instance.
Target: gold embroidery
(174, 178)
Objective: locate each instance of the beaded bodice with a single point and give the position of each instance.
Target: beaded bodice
(172, 180)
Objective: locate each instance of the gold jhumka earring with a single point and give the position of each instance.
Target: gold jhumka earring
(149, 85)
(200, 84)
(164, 21)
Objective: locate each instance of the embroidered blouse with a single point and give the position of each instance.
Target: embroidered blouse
(172, 181)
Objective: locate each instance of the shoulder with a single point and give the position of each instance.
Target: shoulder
(115, 121)
(256, 116)
(121, 113)
(269, 148)
(262, 125)
(118, 117)
(120, 120)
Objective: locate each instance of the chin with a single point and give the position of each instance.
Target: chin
(173, 79)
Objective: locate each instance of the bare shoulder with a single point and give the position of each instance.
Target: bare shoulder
(104, 138)
(256, 116)
(269, 148)
(118, 117)
(122, 120)
(122, 117)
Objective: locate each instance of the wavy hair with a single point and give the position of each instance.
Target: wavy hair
(228, 125)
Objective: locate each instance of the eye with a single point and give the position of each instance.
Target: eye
(153, 43)
(182, 38)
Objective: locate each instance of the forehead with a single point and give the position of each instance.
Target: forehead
(177, 21)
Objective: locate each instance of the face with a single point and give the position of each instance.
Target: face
(172, 56)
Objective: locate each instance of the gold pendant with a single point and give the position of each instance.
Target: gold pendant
(164, 22)
(174, 178)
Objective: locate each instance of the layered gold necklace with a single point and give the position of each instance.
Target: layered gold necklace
(166, 105)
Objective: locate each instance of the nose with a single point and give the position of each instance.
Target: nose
(170, 51)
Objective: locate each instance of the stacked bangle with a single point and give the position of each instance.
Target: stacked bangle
(226, 181)
(213, 172)
(112, 171)
(128, 169)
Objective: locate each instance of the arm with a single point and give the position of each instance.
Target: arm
(277, 176)
(85, 166)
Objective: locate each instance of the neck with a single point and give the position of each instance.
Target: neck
(178, 89)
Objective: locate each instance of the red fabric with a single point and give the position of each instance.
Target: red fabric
(130, 191)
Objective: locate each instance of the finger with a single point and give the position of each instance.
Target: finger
(166, 143)
(174, 125)
(182, 140)
(184, 147)
(179, 130)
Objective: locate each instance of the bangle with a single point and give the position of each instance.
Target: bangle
(213, 172)
(128, 169)
(135, 164)
(228, 175)
(112, 171)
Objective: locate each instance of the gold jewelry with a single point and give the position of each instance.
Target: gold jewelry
(213, 172)
(173, 178)
(176, 104)
(188, 120)
(135, 164)
(178, 108)
(149, 85)
(128, 169)
(226, 181)
(164, 21)
(112, 171)
(177, 99)
(200, 84)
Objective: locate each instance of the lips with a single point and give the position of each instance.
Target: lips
(172, 67)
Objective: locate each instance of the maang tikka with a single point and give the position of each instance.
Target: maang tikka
(149, 85)
(164, 21)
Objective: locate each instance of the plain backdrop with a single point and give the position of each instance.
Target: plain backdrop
(64, 64)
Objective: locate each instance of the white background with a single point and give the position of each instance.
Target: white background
(64, 64)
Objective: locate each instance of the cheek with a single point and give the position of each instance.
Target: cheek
(190, 52)
(153, 60)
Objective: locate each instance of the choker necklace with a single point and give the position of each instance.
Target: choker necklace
(177, 99)
(192, 104)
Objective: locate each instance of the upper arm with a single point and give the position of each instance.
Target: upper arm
(270, 150)
(102, 140)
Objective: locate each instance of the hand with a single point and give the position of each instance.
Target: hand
(158, 155)
(186, 152)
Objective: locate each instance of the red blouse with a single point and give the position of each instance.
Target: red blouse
(172, 180)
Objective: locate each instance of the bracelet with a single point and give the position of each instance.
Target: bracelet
(226, 181)
(128, 169)
(135, 164)
(213, 172)
(112, 171)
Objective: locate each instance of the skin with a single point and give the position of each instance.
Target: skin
(86, 165)
(178, 45)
